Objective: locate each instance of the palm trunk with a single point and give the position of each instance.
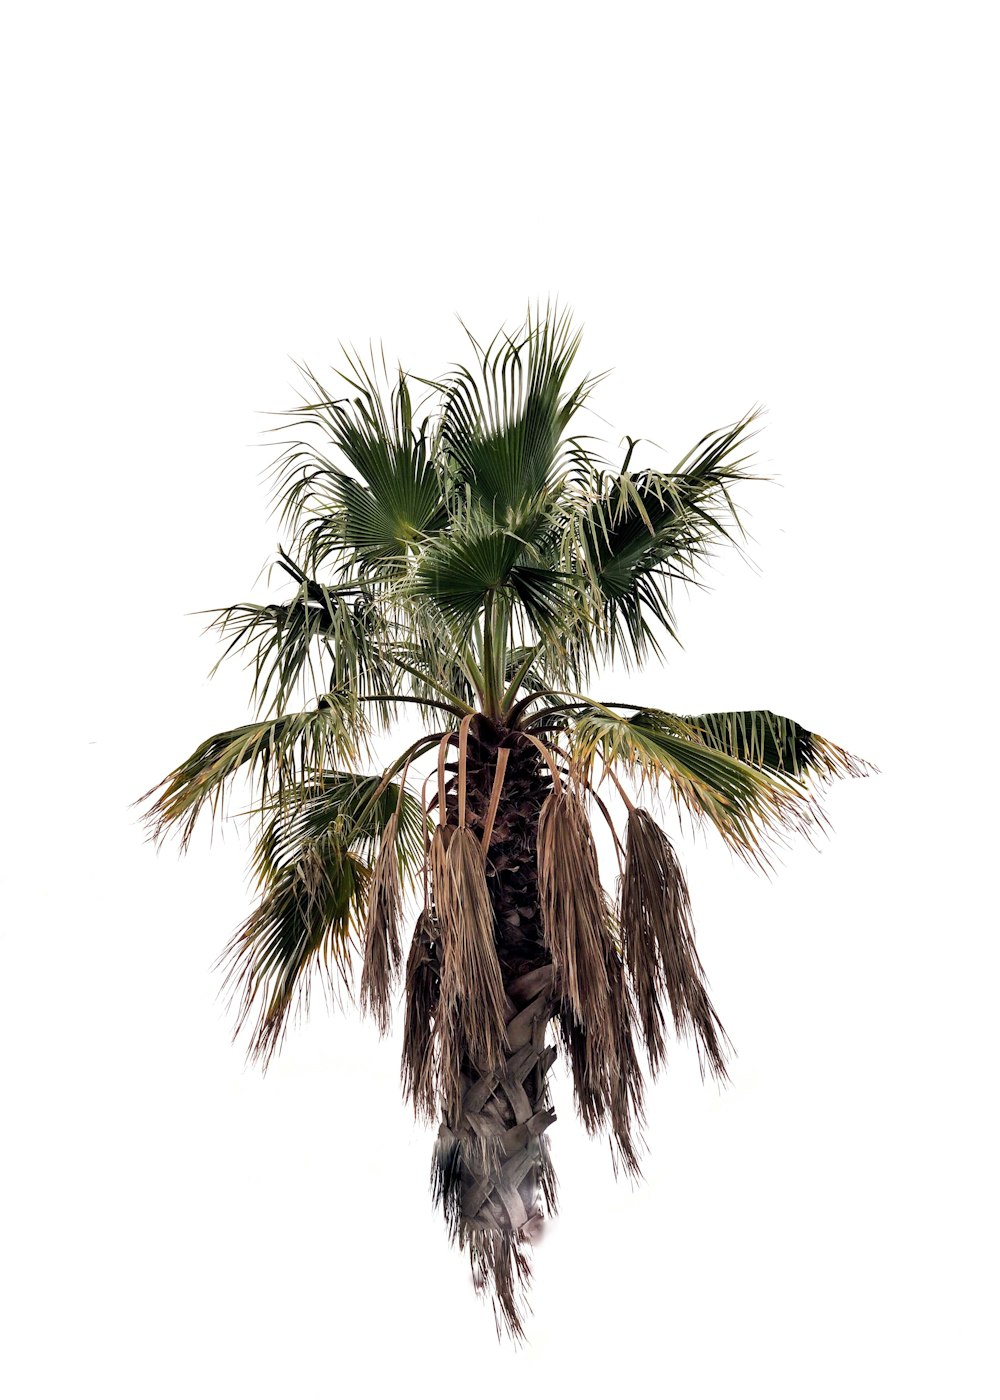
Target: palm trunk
(492, 1174)
(481, 974)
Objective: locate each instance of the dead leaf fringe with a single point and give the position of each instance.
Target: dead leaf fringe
(472, 999)
(499, 1257)
(656, 929)
(627, 1087)
(446, 1179)
(437, 860)
(547, 1178)
(596, 1013)
(383, 950)
(608, 1086)
(501, 1268)
(447, 1030)
(575, 921)
(421, 1003)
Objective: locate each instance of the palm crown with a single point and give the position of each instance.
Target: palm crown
(475, 558)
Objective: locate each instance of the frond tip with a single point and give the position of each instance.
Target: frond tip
(778, 744)
(501, 1269)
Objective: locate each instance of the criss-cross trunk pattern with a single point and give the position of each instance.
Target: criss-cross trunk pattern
(494, 960)
(492, 1174)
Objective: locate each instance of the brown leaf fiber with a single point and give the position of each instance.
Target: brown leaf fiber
(658, 937)
(383, 950)
(473, 1003)
(421, 1003)
(575, 918)
(608, 1087)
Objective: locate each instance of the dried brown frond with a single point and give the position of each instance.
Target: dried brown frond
(498, 1254)
(383, 949)
(422, 989)
(547, 1178)
(451, 1047)
(447, 1030)
(829, 761)
(575, 919)
(627, 1087)
(596, 1013)
(608, 1087)
(590, 1090)
(658, 938)
(501, 1268)
(437, 860)
(473, 1004)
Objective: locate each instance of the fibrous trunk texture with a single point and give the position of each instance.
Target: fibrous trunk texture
(516, 933)
(491, 1174)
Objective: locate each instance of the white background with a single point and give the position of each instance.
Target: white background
(780, 203)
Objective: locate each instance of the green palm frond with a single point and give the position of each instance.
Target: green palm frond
(283, 755)
(476, 561)
(748, 806)
(352, 808)
(539, 670)
(767, 740)
(313, 863)
(428, 662)
(503, 423)
(459, 570)
(369, 508)
(637, 533)
(302, 927)
(326, 637)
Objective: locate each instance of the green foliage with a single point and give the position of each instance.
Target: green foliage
(472, 553)
(330, 637)
(770, 741)
(364, 512)
(638, 532)
(746, 804)
(504, 424)
(285, 755)
(301, 928)
(313, 863)
(481, 525)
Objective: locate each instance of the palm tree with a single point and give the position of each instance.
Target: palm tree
(478, 561)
